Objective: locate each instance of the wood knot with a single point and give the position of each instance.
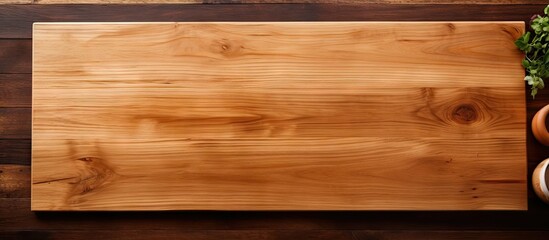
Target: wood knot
(512, 32)
(86, 159)
(465, 114)
(227, 48)
(451, 27)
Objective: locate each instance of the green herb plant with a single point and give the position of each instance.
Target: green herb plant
(534, 45)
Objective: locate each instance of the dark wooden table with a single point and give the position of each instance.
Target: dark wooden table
(17, 221)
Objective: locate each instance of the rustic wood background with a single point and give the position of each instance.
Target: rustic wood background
(272, 1)
(18, 222)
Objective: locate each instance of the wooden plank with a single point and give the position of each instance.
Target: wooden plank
(258, 116)
(15, 56)
(117, 1)
(186, 235)
(16, 1)
(15, 90)
(278, 1)
(371, 1)
(10, 125)
(253, 174)
(15, 66)
(16, 20)
(287, 112)
(500, 235)
(14, 181)
(277, 234)
(15, 151)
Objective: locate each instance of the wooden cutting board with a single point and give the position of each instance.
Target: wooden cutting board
(278, 116)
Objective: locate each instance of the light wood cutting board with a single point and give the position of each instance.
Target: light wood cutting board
(278, 116)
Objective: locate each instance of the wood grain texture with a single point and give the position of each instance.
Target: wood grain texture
(15, 55)
(275, 1)
(10, 125)
(117, 1)
(16, 151)
(16, 20)
(187, 235)
(278, 234)
(16, 1)
(14, 181)
(278, 116)
(373, 1)
(15, 90)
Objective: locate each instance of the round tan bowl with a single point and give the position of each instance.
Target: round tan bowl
(540, 180)
(538, 126)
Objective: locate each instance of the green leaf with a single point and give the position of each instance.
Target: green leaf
(529, 80)
(536, 27)
(522, 42)
(535, 45)
(544, 74)
(521, 45)
(525, 63)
